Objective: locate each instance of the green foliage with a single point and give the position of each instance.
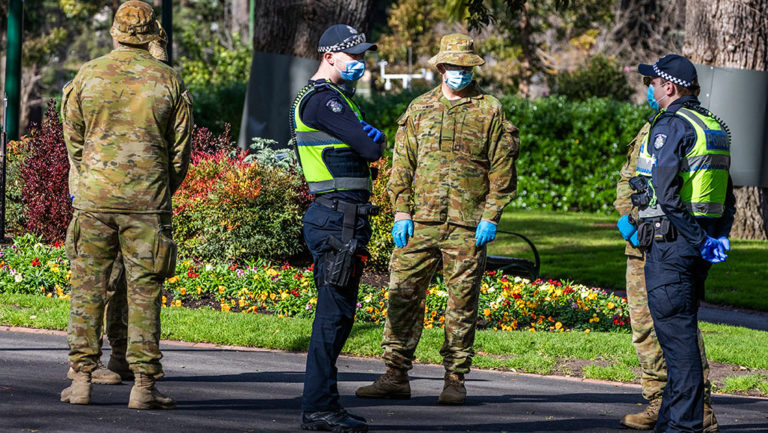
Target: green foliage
(571, 151)
(263, 153)
(383, 110)
(601, 77)
(210, 62)
(217, 105)
(15, 209)
(381, 243)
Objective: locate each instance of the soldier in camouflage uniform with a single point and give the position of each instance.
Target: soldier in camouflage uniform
(654, 375)
(127, 126)
(452, 175)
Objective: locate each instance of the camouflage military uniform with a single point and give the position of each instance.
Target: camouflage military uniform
(127, 125)
(649, 352)
(454, 164)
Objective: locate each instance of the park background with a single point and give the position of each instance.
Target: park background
(565, 73)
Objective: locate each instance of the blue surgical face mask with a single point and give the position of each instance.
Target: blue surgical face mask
(353, 70)
(458, 79)
(651, 99)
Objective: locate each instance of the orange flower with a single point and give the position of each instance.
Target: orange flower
(487, 312)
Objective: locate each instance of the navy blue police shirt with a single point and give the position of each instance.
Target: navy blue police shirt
(670, 139)
(327, 111)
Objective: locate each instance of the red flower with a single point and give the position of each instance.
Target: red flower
(232, 267)
(297, 276)
(285, 266)
(311, 268)
(517, 295)
(491, 273)
(568, 290)
(58, 244)
(35, 262)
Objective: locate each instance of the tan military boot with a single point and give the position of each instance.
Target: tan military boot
(454, 391)
(145, 396)
(119, 365)
(644, 420)
(392, 384)
(710, 421)
(101, 375)
(80, 390)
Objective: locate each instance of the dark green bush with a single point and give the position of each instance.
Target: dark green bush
(601, 77)
(383, 110)
(215, 106)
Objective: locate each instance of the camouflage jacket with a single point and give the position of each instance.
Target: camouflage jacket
(454, 161)
(623, 202)
(127, 125)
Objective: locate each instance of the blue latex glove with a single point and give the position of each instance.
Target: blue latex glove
(633, 239)
(486, 232)
(626, 228)
(725, 242)
(401, 230)
(374, 133)
(712, 251)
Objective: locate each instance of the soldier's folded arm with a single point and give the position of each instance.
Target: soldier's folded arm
(342, 123)
(503, 151)
(623, 202)
(180, 139)
(400, 185)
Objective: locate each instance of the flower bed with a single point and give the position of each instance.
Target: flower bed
(506, 303)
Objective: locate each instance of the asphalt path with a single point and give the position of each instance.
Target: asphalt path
(225, 390)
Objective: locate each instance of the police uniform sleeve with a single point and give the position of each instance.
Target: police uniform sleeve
(400, 185)
(503, 150)
(328, 112)
(729, 212)
(623, 202)
(667, 141)
(74, 131)
(180, 137)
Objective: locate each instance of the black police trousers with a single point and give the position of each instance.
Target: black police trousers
(335, 310)
(674, 276)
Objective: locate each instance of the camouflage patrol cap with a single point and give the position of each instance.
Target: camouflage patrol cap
(457, 49)
(135, 23)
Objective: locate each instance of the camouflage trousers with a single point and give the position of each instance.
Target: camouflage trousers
(116, 311)
(411, 271)
(652, 362)
(94, 241)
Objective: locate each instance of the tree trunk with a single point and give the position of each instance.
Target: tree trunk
(524, 88)
(240, 17)
(293, 27)
(733, 33)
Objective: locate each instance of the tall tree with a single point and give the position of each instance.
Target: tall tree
(733, 33)
(294, 27)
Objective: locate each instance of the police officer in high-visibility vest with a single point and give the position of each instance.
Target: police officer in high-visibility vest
(335, 147)
(686, 211)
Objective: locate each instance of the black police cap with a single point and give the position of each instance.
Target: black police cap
(672, 67)
(341, 37)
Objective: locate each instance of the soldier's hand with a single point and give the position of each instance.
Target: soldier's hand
(401, 230)
(486, 232)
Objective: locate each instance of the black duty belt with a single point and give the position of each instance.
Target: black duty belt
(351, 211)
(663, 229)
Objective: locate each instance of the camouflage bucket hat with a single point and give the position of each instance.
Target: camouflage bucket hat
(157, 48)
(134, 23)
(457, 49)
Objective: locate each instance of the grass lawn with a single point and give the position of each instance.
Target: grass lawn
(588, 249)
(598, 355)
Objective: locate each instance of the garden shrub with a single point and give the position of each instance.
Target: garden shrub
(217, 105)
(45, 178)
(15, 210)
(229, 209)
(383, 110)
(31, 267)
(571, 151)
(381, 243)
(205, 141)
(600, 77)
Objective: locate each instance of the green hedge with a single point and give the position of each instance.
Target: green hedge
(570, 151)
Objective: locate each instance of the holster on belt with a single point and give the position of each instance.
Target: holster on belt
(655, 230)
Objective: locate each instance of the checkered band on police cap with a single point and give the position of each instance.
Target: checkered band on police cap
(669, 77)
(343, 45)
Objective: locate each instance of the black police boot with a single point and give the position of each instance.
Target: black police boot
(338, 421)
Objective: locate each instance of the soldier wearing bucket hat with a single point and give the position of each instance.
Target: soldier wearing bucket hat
(129, 148)
(453, 173)
(686, 212)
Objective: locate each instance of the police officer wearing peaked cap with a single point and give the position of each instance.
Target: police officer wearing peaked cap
(335, 147)
(688, 159)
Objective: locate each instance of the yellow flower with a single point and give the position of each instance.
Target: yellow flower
(369, 309)
(199, 290)
(222, 289)
(487, 312)
(178, 302)
(241, 302)
(183, 291)
(610, 305)
(165, 300)
(174, 279)
(586, 331)
(558, 325)
(313, 301)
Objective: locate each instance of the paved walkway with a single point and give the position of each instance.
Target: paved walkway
(258, 391)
